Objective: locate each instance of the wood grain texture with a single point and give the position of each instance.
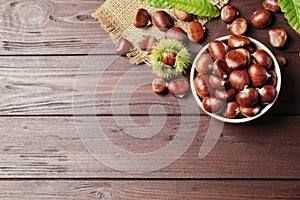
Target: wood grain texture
(47, 85)
(50, 147)
(49, 27)
(153, 189)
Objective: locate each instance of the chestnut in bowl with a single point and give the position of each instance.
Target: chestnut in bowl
(236, 112)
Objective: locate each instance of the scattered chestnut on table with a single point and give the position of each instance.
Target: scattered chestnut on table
(181, 15)
(277, 37)
(271, 5)
(162, 20)
(147, 42)
(281, 61)
(141, 18)
(195, 31)
(123, 46)
(176, 33)
(261, 18)
(179, 87)
(239, 26)
(159, 85)
(228, 13)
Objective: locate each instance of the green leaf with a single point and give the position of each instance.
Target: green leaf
(291, 9)
(197, 7)
(157, 3)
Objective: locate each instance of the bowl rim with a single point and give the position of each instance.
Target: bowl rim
(259, 45)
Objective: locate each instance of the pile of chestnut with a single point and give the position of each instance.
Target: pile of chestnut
(235, 77)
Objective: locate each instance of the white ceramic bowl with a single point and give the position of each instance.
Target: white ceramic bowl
(259, 45)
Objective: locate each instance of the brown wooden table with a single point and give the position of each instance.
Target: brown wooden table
(48, 46)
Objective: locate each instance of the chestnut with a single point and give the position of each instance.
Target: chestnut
(273, 79)
(238, 79)
(236, 59)
(141, 18)
(179, 87)
(261, 18)
(221, 69)
(181, 15)
(262, 58)
(123, 46)
(267, 94)
(247, 97)
(212, 104)
(235, 41)
(176, 33)
(159, 85)
(169, 58)
(147, 42)
(228, 13)
(258, 75)
(195, 31)
(217, 49)
(217, 82)
(232, 109)
(203, 64)
(281, 61)
(239, 26)
(162, 20)
(246, 53)
(271, 5)
(277, 37)
(226, 95)
(202, 86)
(250, 111)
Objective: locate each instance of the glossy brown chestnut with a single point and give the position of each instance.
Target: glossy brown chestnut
(238, 79)
(159, 85)
(217, 49)
(277, 37)
(246, 53)
(228, 13)
(235, 41)
(271, 5)
(226, 95)
(258, 75)
(236, 59)
(212, 104)
(176, 33)
(203, 64)
(179, 87)
(239, 26)
(262, 58)
(162, 20)
(195, 31)
(202, 86)
(232, 110)
(247, 97)
(123, 46)
(250, 111)
(267, 94)
(141, 18)
(184, 16)
(217, 82)
(261, 18)
(147, 42)
(273, 79)
(169, 58)
(221, 69)
(281, 61)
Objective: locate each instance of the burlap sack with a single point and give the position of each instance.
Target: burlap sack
(115, 16)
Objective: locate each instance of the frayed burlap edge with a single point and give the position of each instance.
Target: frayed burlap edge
(115, 16)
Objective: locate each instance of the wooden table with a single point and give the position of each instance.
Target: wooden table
(49, 46)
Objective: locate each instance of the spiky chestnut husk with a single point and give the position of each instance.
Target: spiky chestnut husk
(181, 63)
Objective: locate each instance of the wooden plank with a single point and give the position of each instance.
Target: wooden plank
(51, 147)
(48, 85)
(153, 189)
(50, 27)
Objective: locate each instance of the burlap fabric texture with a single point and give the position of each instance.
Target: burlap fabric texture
(115, 16)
